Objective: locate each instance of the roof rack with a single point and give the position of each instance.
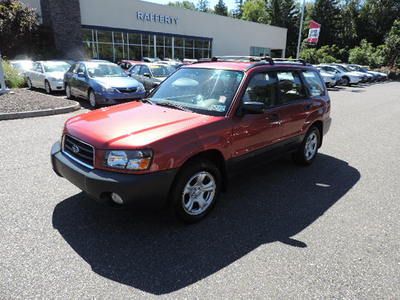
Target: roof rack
(291, 60)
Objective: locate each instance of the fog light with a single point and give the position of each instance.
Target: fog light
(117, 198)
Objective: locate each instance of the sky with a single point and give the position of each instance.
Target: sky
(229, 3)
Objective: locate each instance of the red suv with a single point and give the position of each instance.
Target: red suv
(180, 145)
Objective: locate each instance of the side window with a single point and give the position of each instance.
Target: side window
(262, 88)
(290, 87)
(135, 70)
(38, 68)
(144, 70)
(317, 87)
(81, 69)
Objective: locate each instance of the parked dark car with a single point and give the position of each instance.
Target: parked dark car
(101, 83)
(206, 120)
(150, 75)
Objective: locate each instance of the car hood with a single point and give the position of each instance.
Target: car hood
(132, 125)
(57, 75)
(117, 82)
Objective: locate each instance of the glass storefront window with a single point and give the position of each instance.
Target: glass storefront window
(116, 45)
(135, 52)
(87, 35)
(104, 36)
(134, 38)
(119, 37)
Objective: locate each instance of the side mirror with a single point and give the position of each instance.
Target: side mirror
(81, 75)
(253, 107)
(147, 75)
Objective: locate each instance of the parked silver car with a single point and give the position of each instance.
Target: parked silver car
(347, 78)
(47, 75)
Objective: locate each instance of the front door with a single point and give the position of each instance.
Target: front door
(253, 133)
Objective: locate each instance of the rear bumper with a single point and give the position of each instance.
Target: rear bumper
(144, 190)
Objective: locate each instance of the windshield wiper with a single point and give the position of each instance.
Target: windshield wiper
(173, 105)
(147, 100)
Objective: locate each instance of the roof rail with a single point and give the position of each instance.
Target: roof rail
(242, 58)
(291, 60)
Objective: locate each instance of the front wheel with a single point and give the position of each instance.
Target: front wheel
(92, 99)
(68, 91)
(196, 190)
(346, 81)
(47, 87)
(29, 83)
(308, 149)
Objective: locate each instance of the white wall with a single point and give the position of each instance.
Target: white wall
(230, 36)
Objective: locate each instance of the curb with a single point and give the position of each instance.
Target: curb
(39, 113)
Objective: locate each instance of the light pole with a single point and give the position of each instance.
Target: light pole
(300, 30)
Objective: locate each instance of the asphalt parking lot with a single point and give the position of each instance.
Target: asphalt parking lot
(331, 230)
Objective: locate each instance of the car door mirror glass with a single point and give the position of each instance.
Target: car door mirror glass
(81, 75)
(147, 75)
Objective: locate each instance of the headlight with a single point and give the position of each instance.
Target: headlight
(107, 89)
(129, 160)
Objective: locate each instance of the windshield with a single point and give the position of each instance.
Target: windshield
(207, 91)
(56, 67)
(104, 70)
(343, 69)
(161, 71)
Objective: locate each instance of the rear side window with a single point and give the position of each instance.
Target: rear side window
(144, 70)
(317, 87)
(290, 87)
(135, 70)
(262, 88)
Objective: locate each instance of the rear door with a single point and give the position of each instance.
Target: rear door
(294, 101)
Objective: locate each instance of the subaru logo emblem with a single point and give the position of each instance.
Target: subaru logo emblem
(75, 149)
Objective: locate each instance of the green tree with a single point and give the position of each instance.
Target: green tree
(183, 4)
(367, 54)
(392, 44)
(238, 11)
(327, 13)
(376, 18)
(286, 14)
(18, 25)
(349, 12)
(255, 11)
(220, 8)
(203, 5)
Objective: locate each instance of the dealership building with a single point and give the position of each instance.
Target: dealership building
(132, 29)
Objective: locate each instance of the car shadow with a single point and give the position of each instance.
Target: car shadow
(152, 252)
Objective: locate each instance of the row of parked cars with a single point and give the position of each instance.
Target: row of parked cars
(98, 81)
(104, 83)
(348, 74)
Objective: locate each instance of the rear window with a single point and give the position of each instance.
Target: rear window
(316, 85)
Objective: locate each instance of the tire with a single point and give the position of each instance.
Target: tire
(47, 87)
(198, 180)
(92, 99)
(68, 92)
(29, 83)
(308, 150)
(346, 81)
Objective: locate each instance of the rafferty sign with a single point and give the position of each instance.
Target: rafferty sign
(156, 18)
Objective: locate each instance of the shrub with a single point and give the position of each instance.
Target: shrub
(367, 54)
(12, 77)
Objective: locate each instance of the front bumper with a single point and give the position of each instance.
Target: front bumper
(57, 85)
(144, 190)
(115, 98)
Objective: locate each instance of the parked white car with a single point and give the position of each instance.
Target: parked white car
(47, 75)
(330, 78)
(347, 78)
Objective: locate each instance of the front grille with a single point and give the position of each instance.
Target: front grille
(127, 90)
(78, 150)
